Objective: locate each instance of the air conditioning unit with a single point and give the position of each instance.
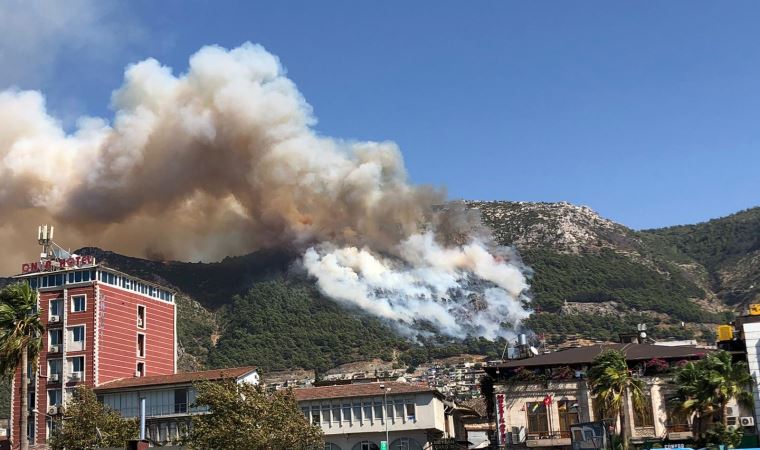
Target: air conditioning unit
(140, 322)
(747, 421)
(138, 374)
(55, 319)
(53, 377)
(76, 376)
(55, 348)
(52, 410)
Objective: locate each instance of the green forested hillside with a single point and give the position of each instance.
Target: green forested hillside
(729, 250)
(279, 325)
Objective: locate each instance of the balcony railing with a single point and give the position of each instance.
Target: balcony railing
(549, 435)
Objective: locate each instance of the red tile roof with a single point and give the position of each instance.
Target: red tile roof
(178, 378)
(359, 390)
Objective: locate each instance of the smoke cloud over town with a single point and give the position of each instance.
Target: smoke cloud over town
(223, 160)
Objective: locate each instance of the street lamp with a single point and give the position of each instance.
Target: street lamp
(385, 412)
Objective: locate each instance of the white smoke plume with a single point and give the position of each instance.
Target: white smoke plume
(223, 160)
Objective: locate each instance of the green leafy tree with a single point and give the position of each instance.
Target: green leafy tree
(20, 338)
(613, 385)
(88, 424)
(245, 417)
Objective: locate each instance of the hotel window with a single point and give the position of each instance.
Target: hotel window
(76, 338)
(54, 368)
(55, 338)
(538, 422)
(77, 368)
(141, 316)
(643, 417)
(56, 307)
(568, 415)
(140, 345)
(78, 303)
(55, 396)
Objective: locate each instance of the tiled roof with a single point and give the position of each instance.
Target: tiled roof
(359, 390)
(585, 355)
(178, 378)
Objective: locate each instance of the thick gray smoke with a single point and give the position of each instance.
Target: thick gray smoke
(223, 160)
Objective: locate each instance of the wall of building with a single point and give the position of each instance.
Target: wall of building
(118, 329)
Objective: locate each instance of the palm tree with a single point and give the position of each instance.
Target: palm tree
(20, 338)
(729, 380)
(705, 387)
(612, 383)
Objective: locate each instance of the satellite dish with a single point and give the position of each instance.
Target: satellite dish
(534, 351)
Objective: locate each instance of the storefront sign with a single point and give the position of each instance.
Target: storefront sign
(501, 418)
(58, 264)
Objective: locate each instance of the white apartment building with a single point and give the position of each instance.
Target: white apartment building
(356, 416)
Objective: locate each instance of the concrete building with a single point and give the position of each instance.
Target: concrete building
(168, 399)
(356, 416)
(100, 325)
(537, 399)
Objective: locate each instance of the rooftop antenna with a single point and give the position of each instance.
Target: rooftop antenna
(50, 250)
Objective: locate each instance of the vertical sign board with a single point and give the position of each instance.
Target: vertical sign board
(501, 418)
(383, 445)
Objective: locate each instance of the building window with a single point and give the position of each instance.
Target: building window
(336, 413)
(644, 417)
(77, 368)
(365, 445)
(357, 411)
(411, 411)
(405, 444)
(315, 415)
(399, 407)
(331, 446)
(56, 307)
(538, 422)
(180, 401)
(367, 404)
(54, 369)
(78, 303)
(568, 415)
(347, 412)
(55, 337)
(141, 345)
(141, 316)
(140, 371)
(76, 338)
(379, 410)
(325, 412)
(55, 396)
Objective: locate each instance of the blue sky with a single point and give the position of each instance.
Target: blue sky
(647, 112)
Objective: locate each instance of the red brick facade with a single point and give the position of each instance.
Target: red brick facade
(104, 313)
